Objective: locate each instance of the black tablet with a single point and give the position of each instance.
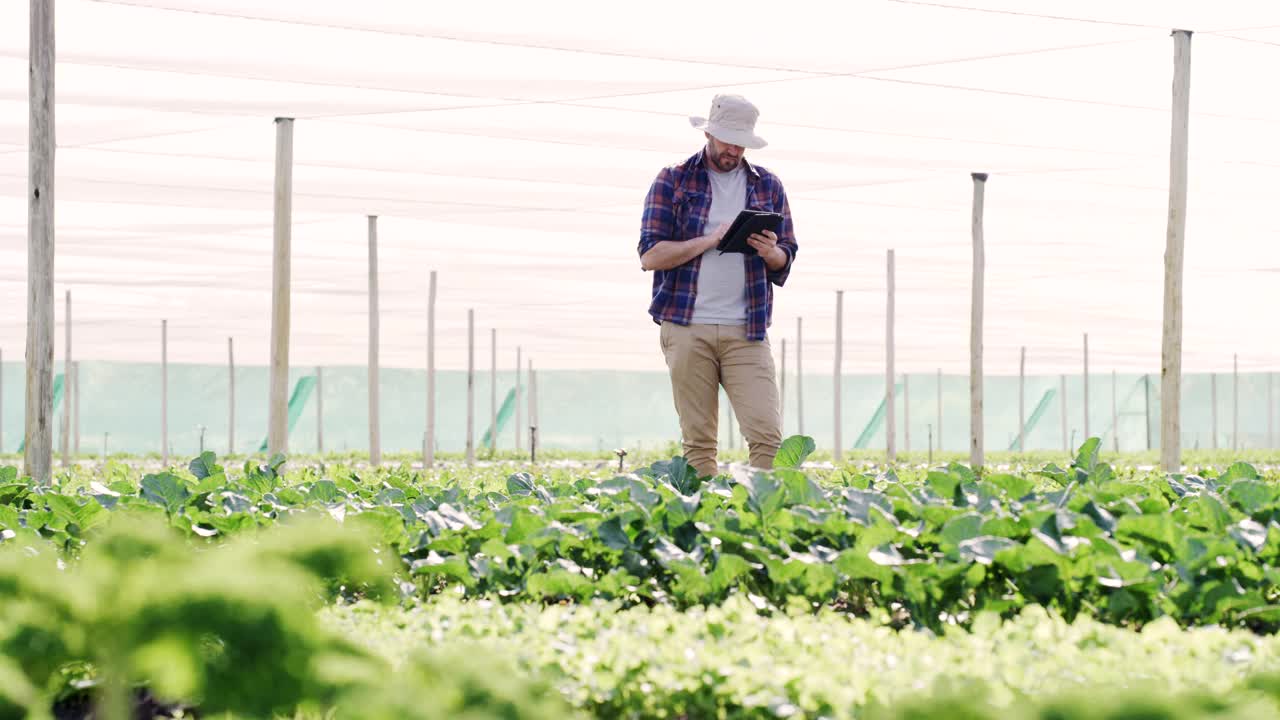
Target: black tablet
(748, 223)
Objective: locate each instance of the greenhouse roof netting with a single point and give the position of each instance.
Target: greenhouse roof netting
(508, 146)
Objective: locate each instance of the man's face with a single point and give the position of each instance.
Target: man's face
(723, 156)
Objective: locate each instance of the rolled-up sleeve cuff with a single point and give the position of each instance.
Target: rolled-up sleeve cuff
(779, 277)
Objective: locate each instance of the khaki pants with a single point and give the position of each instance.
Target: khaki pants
(701, 359)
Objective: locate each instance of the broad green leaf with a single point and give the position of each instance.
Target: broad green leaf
(983, 549)
(794, 451)
(205, 465)
(325, 492)
(1016, 487)
(1251, 496)
(8, 473)
(1250, 534)
(1239, 471)
(166, 490)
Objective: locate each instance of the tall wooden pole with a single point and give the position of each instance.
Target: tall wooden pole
(231, 396)
(975, 324)
(1086, 386)
(519, 415)
(164, 393)
(375, 412)
(836, 394)
(471, 386)
(1022, 399)
(67, 388)
(799, 376)
(38, 458)
(278, 405)
(1171, 347)
(890, 399)
(782, 389)
(493, 390)
(429, 442)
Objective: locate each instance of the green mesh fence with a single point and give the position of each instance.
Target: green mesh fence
(603, 409)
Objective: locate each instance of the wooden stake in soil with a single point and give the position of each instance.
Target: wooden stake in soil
(890, 401)
(281, 263)
(1171, 346)
(975, 324)
(429, 440)
(67, 388)
(799, 376)
(836, 395)
(375, 413)
(41, 145)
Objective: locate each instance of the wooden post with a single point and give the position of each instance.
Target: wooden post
(231, 396)
(939, 410)
(799, 376)
(471, 386)
(1235, 402)
(1213, 409)
(533, 415)
(164, 393)
(1022, 399)
(1271, 411)
(429, 441)
(975, 325)
(1086, 386)
(75, 422)
(375, 412)
(65, 440)
(278, 405)
(890, 401)
(906, 412)
(782, 389)
(519, 428)
(493, 391)
(1062, 393)
(319, 410)
(38, 457)
(1171, 346)
(1115, 415)
(836, 397)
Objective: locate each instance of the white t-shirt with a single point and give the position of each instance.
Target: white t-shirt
(722, 279)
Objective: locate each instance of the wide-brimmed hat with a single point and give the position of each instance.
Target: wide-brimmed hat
(732, 120)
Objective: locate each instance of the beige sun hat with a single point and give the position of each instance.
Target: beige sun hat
(732, 120)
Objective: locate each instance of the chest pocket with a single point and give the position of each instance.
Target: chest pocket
(689, 208)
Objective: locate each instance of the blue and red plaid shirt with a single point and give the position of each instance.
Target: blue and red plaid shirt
(676, 208)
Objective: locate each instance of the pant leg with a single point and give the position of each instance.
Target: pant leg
(695, 387)
(749, 378)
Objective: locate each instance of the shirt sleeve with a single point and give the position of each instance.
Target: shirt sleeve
(658, 220)
(786, 237)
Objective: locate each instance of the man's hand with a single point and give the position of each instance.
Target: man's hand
(766, 244)
(670, 254)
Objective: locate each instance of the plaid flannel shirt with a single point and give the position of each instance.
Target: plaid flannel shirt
(676, 208)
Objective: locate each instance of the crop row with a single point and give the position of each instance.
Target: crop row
(932, 553)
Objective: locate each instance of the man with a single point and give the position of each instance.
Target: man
(714, 309)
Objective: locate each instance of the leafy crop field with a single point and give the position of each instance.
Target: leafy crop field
(336, 590)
